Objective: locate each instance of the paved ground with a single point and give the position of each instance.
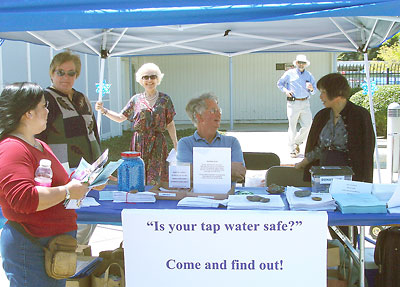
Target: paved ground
(261, 138)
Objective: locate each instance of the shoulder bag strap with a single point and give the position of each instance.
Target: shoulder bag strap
(21, 230)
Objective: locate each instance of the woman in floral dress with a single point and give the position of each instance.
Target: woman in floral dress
(151, 113)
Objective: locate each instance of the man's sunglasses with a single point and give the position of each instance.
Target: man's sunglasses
(214, 111)
(61, 73)
(147, 77)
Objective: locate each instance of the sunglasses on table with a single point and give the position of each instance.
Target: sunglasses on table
(61, 73)
(148, 77)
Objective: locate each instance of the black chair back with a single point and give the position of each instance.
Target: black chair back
(286, 176)
(260, 160)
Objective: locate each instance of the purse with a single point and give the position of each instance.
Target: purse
(114, 276)
(59, 256)
(111, 270)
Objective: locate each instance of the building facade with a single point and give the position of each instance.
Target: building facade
(247, 92)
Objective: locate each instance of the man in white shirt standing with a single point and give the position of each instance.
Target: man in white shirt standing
(298, 85)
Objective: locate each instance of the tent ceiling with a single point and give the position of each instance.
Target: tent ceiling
(228, 39)
(40, 15)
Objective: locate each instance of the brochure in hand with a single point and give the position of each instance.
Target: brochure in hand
(88, 173)
(95, 174)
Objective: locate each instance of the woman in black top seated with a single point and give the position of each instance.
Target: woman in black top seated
(340, 135)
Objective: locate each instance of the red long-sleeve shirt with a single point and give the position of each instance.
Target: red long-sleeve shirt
(19, 197)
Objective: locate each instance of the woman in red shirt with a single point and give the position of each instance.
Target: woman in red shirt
(38, 209)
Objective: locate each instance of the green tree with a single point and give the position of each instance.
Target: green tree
(357, 56)
(389, 53)
(389, 50)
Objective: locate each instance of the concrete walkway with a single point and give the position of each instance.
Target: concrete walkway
(256, 138)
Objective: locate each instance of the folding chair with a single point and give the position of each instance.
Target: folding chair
(260, 160)
(286, 176)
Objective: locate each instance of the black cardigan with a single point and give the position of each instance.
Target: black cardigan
(361, 140)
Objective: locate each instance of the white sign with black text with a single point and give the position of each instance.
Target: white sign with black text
(179, 176)
(211, 170)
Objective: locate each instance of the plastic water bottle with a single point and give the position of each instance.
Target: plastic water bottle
(131, 172)
(44, 174)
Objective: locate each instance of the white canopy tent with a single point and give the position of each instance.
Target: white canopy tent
(301, 34)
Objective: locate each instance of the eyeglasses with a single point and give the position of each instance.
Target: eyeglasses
(301, 63)
(61, 73)
(214, 111)
(148, 77)
(257, 198)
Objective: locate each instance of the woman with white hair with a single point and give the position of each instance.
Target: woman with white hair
(151, 113)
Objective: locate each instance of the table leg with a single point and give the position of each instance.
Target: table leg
(357, 255)
(362, 256)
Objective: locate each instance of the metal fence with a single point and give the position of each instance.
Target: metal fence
(381, 73)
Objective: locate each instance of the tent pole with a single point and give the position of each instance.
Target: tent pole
(230, 93)
(371, 107)
(100, 98)
(29, 61)
(104, 55)
(130, 76)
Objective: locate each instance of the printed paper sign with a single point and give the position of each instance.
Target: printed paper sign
(200, 248)
(211, 170)
(350, 187)
(179, 176)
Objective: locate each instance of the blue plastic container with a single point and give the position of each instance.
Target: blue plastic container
(131, 172)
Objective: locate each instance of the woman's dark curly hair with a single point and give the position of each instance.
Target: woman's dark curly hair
(15, 100)
(335, 85)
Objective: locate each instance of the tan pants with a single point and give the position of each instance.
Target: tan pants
(84, 233)
(298, 112)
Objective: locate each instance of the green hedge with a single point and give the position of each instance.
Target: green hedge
(383, 97)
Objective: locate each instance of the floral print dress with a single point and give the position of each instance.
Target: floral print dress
(149, 125)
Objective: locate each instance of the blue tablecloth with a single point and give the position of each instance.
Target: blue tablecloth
(110, 213)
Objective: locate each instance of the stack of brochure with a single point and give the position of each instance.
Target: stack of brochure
(241, 202)
(201, 202)
(315, 201)
(145, 196)
(356, 197)
(359, 203)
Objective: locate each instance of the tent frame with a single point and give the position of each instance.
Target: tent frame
(61, 15)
